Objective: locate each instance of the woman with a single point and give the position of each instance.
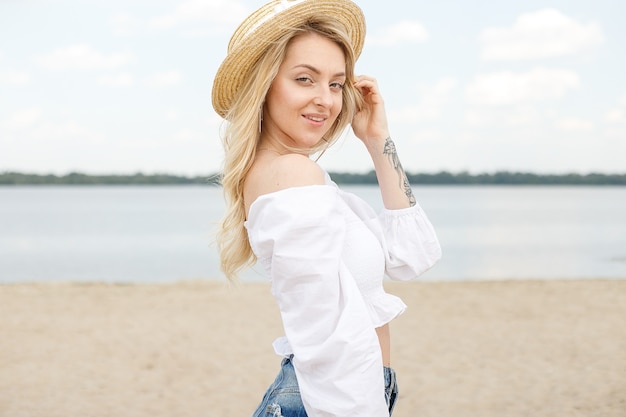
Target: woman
(287, 90)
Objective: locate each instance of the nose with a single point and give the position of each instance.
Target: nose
(324, 97)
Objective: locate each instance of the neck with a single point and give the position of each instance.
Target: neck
(270, 150)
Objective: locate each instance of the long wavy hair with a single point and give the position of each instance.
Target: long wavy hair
(242, 133)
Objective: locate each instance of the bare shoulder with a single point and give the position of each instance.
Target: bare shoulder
(279, 173)
(294, 170)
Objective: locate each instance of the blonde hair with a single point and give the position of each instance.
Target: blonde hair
(242, 134)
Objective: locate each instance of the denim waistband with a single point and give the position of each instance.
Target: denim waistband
(286, 384)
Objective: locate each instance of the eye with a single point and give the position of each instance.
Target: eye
(336, 86)
(304, 80)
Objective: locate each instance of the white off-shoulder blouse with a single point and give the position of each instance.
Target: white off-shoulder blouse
(326, 252)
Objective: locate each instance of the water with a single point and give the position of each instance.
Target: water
(164, 234)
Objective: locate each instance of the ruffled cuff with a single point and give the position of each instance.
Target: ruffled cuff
(383, 307)
(412, 244)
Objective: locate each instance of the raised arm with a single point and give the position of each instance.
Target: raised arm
(370, 125)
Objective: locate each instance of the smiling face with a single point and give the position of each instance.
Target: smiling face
(305, 98)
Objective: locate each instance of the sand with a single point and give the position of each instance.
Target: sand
(522, 348)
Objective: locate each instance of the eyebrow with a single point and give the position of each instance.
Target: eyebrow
(316, 71)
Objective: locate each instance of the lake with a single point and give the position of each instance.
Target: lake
(164, 233)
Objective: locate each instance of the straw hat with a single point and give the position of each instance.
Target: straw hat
(266, 25)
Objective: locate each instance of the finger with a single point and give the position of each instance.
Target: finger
(367, 83)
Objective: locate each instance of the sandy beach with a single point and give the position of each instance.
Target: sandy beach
(521, 348)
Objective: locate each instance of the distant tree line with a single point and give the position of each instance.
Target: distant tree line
(498, 178)
(440, 178)
(75, 178)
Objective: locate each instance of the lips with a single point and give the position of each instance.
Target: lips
(315, 118)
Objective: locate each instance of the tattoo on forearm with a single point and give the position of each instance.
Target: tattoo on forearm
(392, 154)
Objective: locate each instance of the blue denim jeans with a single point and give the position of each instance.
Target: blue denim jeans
(282, 398)
(391, 388)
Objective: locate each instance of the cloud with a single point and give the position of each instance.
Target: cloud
(21, 119)
(29, 126)
(523, 115)
(573, 124)
(423, 135)
(506, 87)
(216, 11)
(173, 115)
(82, 57)
(164, 79)
(543, 34)
(187, 135)
(431, 104)
(617, 115)
(14, 78)
(478, 118)
(195, 18)
(119, 80)
(68, 131)
(124, 24)
(516, 116)
(402, 32)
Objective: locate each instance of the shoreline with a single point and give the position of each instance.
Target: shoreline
(190, 348)
(8, 178)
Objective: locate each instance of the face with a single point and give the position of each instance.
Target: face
(305, 98)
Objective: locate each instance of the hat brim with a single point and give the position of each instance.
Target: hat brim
(268, 24)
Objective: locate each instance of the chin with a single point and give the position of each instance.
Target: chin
(308, 143)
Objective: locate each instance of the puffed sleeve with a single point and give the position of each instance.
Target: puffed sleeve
(412, 246)
(406, 235)
(298, 235)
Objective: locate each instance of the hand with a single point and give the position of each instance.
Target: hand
(370, 123)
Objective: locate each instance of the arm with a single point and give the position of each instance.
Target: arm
(370, 125)
(411, 244)
(394, 184)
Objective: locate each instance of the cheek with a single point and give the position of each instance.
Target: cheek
(338, 104)
(282, 99)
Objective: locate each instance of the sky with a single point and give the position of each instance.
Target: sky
(120, 87)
